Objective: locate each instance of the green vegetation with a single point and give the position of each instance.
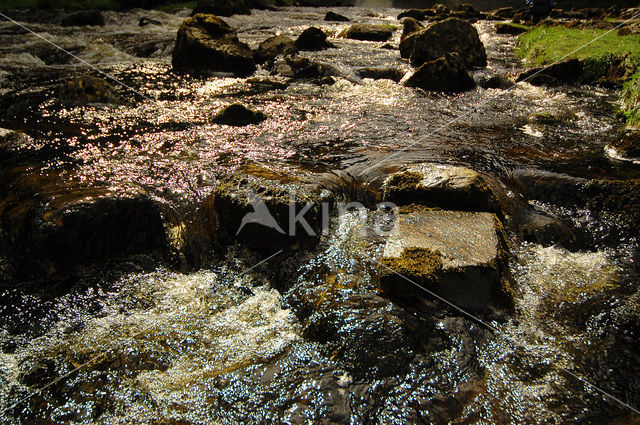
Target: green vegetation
(95, 4)
(544, 45)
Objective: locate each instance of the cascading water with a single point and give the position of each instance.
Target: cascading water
(223, 345)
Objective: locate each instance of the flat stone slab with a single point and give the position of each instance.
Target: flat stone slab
(462, 256)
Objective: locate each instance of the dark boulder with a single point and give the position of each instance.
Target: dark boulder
(258, 207)
(48, 234)
(452, 35)
(446, 74)
(83, 18)
(313, 39)
(494, 82)
(335, 17)
(570, 71)
(275, 46)
(380, 73)
(206, 43)
(510, 29)
(368, 32)
(410, 26)
(238, 115)
(417, 14)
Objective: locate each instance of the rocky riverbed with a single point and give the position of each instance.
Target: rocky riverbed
(488, 274)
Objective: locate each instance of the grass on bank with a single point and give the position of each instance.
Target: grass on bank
(544, 45)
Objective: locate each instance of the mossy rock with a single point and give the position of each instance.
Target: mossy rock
(257, 209)
(205, 43)
(451, 35)
(460, 256)
(449, 187)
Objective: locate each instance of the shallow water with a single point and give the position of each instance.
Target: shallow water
(221, 346)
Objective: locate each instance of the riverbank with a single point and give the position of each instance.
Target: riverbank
(603, 53)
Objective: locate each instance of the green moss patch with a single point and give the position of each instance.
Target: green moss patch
(601, 51)
(421, 264)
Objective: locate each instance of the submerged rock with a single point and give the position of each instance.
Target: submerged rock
(260, 210)
(368, 32)
(52, 235)
(275, 46)
(446, 74)
(452, 35)
(381, 73)
(238, 115)
(335, 17)
(87, 89)
(206, 43)
(461, 256)
(510, 29)
(313, 39)
(83, 18)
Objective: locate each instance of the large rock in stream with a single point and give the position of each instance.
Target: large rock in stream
(368, 32)
(445, 74)
(461, 256)
(462, 189)
(206, 43)
(267, 210)
(452, 35)
(275, 46)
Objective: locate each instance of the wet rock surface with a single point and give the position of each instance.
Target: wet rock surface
(446, 74)
(449, 36)
(381, 73)
(570, 71)
(238, 115)
(460, 256)
(208, 44)
(510, 29)
(275, 46)
(257, 211)
(335, 17)
(312, 39)
(368, 32)
(177, 317)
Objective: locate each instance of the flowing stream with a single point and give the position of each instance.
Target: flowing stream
(221, 345)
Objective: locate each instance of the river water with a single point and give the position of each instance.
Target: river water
(221, 345)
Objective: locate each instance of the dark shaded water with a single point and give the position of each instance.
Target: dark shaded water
(220, 346)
